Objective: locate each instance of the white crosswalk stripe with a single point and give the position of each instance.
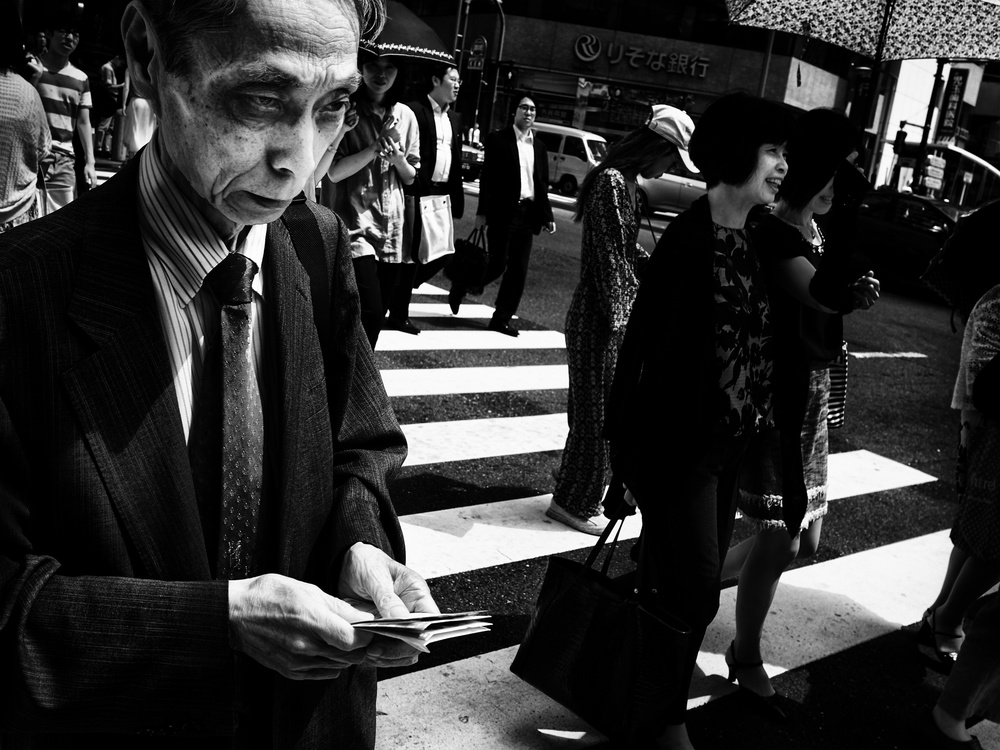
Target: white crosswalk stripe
(397, 341)
(438, 381)
(477, 702)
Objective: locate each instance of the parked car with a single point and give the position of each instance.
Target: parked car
(901, 232)
(672, 191)
(472, 161)
(572, 153)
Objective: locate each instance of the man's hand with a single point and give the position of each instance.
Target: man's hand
(371, 575)
(90, 174)
(393, 589)
(301, 632)
(550, 227)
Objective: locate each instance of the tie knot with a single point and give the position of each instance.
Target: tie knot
(232, 280)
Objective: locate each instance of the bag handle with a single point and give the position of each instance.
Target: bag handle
(478, 236)
(615, 524)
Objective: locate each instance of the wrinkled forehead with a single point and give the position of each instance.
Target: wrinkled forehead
(315, 33)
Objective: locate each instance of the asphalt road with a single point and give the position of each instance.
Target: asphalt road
(898, 407)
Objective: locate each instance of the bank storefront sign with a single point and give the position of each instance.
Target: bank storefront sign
(592, 48)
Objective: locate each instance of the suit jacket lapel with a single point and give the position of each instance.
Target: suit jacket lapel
(123, 393)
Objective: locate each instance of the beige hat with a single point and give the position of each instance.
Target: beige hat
(676, 126)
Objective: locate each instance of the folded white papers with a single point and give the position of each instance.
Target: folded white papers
(421, 630)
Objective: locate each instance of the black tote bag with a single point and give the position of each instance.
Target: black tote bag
(593, 648)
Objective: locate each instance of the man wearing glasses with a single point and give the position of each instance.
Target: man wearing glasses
(513, 206)
(65, 94)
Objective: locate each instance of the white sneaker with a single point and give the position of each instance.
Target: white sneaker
(593, 526)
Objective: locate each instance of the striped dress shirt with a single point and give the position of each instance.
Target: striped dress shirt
(181, 248)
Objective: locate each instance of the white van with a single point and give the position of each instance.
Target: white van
(572, 153)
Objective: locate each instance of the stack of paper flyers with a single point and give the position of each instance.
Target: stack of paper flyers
(421, 630)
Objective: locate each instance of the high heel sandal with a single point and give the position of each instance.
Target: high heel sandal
(930, 737)
(929, 635)
(767, 706)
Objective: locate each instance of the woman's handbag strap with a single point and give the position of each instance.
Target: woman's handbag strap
(615, 524)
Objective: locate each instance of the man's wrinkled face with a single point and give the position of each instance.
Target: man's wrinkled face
(263, 101)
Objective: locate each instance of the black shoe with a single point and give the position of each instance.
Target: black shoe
(403, 325)
(767, 706)
(455, 300)
(930, 737)
(929, 635)
(502, 326)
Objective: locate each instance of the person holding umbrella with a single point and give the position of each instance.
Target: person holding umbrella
(408, 37)
(372, 163)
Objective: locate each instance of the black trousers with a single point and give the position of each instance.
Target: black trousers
(370, 293)
(509, 245)
(685, 536)
(396, 283)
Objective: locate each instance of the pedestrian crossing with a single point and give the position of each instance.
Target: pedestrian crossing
(475, 702)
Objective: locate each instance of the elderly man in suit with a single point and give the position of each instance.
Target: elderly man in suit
(513, 206)
(195, 440)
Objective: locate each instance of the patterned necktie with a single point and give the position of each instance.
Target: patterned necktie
(242, 418)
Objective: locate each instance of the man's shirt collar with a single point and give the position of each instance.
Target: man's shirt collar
(526, 136)
(437, 108)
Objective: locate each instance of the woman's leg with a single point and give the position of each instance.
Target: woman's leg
(771, 553)
(683, 557)
(398, 302)
(973, 580)
(974, 684)
(955, 562)
(366, 274)
(584, 467)
(736, 557)
(773, 549)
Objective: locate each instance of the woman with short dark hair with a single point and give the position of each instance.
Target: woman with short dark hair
(693, 381)
(812, 282)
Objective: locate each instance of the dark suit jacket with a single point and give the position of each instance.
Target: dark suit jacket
(500, 183)
(109, 620)
(428, 155)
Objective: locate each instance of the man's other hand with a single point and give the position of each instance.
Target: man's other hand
(296, 629)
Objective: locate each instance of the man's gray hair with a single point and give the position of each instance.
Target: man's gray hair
(177, 22)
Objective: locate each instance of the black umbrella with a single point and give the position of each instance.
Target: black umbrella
(406, 35)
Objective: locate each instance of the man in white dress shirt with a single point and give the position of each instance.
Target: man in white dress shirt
(514, 207)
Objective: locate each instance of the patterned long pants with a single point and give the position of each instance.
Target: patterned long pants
(592, 352)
